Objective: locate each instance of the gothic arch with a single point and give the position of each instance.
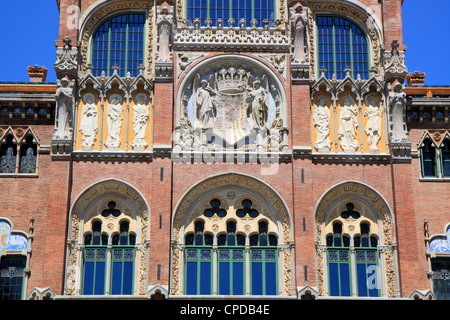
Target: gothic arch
(374, 209)
(97, 12)
(89, 205)
(234, 187)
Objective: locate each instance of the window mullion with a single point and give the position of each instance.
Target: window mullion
(352, 66)
(126, 45)
(108, 66)
(334, 46)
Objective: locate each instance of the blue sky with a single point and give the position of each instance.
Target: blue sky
(30, 27)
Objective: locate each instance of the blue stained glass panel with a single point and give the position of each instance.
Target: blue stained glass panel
(345, 280)
(238, 278)
(361, 274)
(88, 285)
(205, 278)
(100, 271)
(116, 281)
(224, 278)
(257, 276)
(191, 277)
(128, 278)
(333, 273)
(271, 278)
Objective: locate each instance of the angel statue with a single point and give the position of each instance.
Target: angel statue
(258, 101)
(204, 103)
(348, 123)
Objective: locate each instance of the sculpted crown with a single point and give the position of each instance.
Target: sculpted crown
(231, 80)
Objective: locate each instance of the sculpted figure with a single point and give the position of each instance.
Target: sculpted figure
(258, 99)
(64, 110)
(397, 104)
(373, 128)
(114, 121)
(140, 121)
(164, 21)
(321, 119)
(205, 105)
(348, 123)
(298, 23)
(89, 121)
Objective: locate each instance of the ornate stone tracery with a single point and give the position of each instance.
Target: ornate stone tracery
(90, 204)
(231, 188)
(375, 210)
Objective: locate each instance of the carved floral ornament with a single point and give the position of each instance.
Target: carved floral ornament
(374, 209)
(87, 206)
(236, 187)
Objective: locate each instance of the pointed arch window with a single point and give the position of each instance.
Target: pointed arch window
(244, 263)
(342, 44)
(112, 255)
(119, 41)
(435, 158)
(352, 260)
(18, 155)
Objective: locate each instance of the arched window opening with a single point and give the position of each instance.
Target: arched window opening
(245, 261)
(341, 45)
(445, 158)
(117, 260)
(428, 157)
(28, 154)
(119, 41)
(8, 154)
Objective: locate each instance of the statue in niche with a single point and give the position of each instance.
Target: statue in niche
(204, 102)
(8, 162)
(64, 110)
(164, 22)
(397, 104)
(28, 162)
(114, 122)
(348, 123)
(89, 122)
(140, 122)
(373, 127)
(321, 119)
(298, 22)
(258, 102)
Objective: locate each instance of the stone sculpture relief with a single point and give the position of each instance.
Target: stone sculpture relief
(230, 105)
(114, 122)
(204, 103)
(348, 123)
(258, 100)
(299, 27)
(140, 122)
(322, 123)
(64, 109)
(373, 127)
(89, 122)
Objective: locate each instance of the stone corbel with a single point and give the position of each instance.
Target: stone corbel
(394, 62)
(66, 60)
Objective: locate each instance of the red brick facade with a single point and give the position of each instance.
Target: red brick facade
(302, 178)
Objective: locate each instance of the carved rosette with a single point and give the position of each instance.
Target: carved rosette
(383, 214)
(75, 247)
(280, 213)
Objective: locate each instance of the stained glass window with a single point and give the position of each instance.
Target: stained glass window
(257, 10)
(342, 45)
(230, 261)
(11, 277)
(117, 260)
(119, 41)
